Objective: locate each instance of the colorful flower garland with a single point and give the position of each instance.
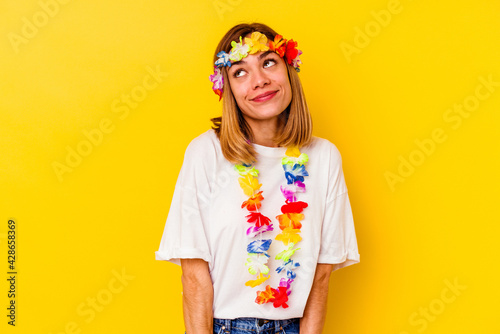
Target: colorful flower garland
(294, 167)
(257, 42)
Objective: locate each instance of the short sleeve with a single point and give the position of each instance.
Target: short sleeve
(338, 237)
(185, 233)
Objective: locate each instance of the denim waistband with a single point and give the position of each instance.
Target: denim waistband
(254, 324)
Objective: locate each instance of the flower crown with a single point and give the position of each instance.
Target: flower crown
(256, 43)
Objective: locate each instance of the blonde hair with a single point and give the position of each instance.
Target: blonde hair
(294, 123)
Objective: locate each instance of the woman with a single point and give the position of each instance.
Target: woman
(257, 249)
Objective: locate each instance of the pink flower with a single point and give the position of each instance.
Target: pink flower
(218, 81)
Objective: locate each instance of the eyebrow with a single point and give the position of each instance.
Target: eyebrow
(260, 57)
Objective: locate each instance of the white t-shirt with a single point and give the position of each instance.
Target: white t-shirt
(206, 221)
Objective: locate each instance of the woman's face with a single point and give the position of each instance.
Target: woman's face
(260, 85)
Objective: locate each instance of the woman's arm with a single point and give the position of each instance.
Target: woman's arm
(315, 312)
(197, 296)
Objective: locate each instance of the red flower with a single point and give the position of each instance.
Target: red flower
(291, 51)
(219, 93)
(280, 297)
(258, 218)
(278, 45)
(293, 207)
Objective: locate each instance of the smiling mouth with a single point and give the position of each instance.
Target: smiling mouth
(265, 97)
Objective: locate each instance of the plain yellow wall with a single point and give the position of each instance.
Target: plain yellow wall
(409, 91)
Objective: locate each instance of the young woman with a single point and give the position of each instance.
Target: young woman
(260, 215)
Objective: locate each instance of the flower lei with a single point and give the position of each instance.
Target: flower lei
(256, 43)
(294, 166)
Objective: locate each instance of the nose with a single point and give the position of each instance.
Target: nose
(260, 79)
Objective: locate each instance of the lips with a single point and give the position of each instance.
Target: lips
(265, 96)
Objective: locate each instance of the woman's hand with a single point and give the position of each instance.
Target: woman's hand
(197, 296)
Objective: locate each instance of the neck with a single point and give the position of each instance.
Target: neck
(264, 131)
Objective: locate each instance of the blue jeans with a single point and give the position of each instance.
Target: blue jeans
(256, 326)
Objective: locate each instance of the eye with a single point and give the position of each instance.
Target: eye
(237, 72)
(269, 60)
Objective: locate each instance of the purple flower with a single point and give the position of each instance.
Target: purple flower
(253, 231)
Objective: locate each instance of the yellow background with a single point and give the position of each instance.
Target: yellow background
(77, 232)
